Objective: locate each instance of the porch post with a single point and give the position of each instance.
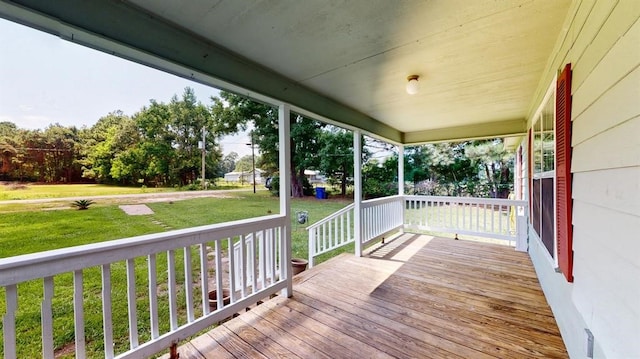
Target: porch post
(284, 129)
(517, 177)
(401, 183)
(357, 191)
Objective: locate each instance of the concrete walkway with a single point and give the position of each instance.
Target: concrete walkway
(136, 209)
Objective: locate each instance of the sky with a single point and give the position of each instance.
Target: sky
(46, 80)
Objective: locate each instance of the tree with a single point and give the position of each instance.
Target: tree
(169, 140)
(228, 164)
(244, 164)
(451, 169)
(416, 164)
(8, 132)
(379, 179)
(61, 150)
(495, 162)
(7, 153)
(111, 136)
(7, 129)
(336, 156)
(158, 145)
(50, 155)
(188, 118)
(305, 145)
(153, 122)
(446, 169)
(233, 113)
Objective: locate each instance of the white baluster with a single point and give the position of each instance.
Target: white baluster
(47, 318)
(252, 267)
(243, 266)
(153, 296)
(233, 272)
(9, 321)
(492, 219)
(263, 258)
(219, 270)
(272, 248)
(131, 300)
(204, 278)
(78, 310)
(107, 311)
(171, 277)
(188, 283)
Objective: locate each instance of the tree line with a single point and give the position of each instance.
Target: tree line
(157, 146)
(160, 146)
(481, 168)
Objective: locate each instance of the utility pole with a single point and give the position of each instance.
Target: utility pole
(204, 152)
(253, 161)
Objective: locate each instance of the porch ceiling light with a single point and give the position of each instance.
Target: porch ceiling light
(412, 85)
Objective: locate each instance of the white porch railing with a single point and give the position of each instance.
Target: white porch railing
(253, 278)
(170, 308)
(379, 216)
(485, 217)
(334, 231)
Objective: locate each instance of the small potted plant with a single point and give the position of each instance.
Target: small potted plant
(299, 265)
(213, 298)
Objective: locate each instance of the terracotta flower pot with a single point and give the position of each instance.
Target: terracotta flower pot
(299, 265)
(213, 298)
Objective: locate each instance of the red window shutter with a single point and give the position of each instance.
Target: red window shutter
(530, 168)
(563, 173)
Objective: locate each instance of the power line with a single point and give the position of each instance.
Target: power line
(44, 149)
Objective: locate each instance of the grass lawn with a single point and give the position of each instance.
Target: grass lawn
(19, 191)
(13, 191)
(33, 231)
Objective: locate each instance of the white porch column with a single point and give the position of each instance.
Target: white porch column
(357, 191)
(284, 132)
(400, 170)
(401, 182)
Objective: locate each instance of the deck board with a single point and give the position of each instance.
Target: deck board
(416, 296)
(280, 335)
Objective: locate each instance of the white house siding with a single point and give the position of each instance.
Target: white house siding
(602, 42)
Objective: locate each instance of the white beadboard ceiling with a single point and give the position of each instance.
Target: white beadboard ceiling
(479, 61)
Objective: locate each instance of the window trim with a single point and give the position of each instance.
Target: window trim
(550, 95)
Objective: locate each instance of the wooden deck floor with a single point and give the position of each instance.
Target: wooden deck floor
(416, 297)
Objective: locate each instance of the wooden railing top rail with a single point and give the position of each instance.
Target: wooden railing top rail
(49, 263)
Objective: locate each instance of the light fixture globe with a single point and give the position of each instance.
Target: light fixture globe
(412, 85)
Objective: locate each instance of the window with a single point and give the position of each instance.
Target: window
(550, 147)
(543, 182)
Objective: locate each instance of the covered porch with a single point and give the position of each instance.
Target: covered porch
(487, 69)
(417, 296)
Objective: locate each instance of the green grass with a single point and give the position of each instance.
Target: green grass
(34, 231)
(14, 191)
(29, 232)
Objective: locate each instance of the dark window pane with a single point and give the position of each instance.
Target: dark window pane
(547, 213)
(535, 215)
(542, 216)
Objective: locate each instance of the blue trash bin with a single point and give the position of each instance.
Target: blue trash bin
(320, 194)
